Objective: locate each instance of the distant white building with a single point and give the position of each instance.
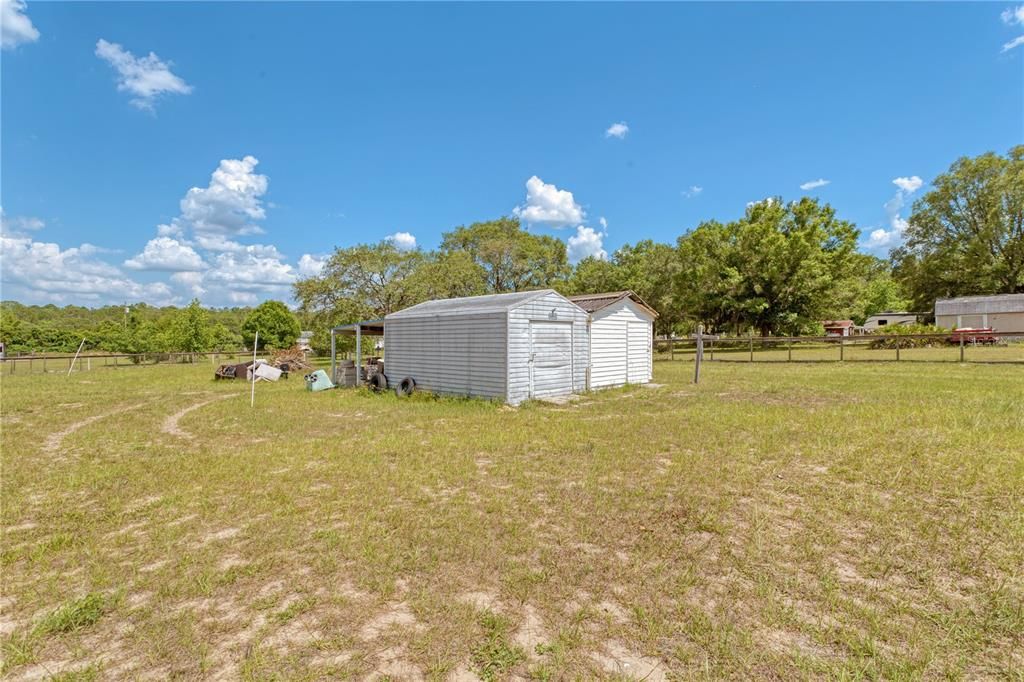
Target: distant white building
(1004, 313)
(890, 319)
(304, 341)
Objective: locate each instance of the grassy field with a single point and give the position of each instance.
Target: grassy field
(784, 521)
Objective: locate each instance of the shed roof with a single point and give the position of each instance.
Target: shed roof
(836, 324)
(976, 305)
(594, 302)
(365, 327)
(469, 305)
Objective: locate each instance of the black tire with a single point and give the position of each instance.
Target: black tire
(379, 382)
(406, 386)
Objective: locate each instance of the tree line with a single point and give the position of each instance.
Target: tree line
(140, 328)
(781, 268)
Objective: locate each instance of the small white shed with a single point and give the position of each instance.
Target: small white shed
(510, 347)
(621, 338)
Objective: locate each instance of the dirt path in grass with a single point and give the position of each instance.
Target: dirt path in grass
(54, 440)
(170, 425)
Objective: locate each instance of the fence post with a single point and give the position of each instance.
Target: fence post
(698, 354)
(842, 343)
(897, 350)
(712, 351)
(961, 355)
(961, 348)
(751, 336)
(671, 347)
(789, 350)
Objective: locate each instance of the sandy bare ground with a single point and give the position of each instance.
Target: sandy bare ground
(54, 440)
(170, 425)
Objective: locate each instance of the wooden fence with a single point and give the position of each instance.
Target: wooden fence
(1008, 348)
(61, 362)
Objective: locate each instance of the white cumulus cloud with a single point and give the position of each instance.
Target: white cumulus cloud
(587, 242)
(166, 254)
(43, 272)
(692, 191)
(18, 225)
(15, 26)
(147, 78)
(1013, 15)
(403, 241)
(908, 185)
(814, 184)
(190, 281)
(250, 272)
(881, 238)
(548, 205)
(619, 130)
(310, 265)
(886, 238)
(231, 203)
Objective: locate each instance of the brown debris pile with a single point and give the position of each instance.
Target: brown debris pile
(294, 357)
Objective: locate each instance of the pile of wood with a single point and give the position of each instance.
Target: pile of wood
(294, 357)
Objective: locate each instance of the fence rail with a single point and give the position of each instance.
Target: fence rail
(948, 347)
(61, 362)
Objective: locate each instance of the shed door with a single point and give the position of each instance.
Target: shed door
(550, 359)
(637, 345)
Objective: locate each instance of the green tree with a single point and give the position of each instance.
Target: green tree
(448, 275)
(277, 326)
(510, 258)
(361, 282)
(966, 236)
(593, 276)
(777, 269)
(369, 281)
(870, 289)
(649, 269)
(189, 330)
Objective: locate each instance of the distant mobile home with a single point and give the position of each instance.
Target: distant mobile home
(509, 347)
(890, 319)
(621, 338)
(1004, 313)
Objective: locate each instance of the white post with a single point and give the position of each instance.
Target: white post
(255, 345)
(76, 357)
(698, 354)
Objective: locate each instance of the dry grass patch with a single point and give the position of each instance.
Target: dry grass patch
(784, 521)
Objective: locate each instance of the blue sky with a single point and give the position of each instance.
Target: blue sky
(159, 151)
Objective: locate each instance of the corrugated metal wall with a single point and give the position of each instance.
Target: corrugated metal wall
(453, 355)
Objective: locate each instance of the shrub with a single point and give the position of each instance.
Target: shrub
(905, 330)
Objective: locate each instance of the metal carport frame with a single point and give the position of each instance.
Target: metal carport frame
(357, 329)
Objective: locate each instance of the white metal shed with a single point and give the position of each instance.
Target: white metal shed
(510, 347)
(621, 338)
